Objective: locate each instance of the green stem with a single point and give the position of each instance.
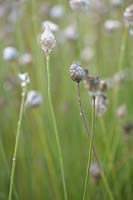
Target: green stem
(55, 128)
(94, 149)
(16, 143)
(90, 151)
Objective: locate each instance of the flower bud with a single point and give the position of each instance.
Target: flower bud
(76, 72)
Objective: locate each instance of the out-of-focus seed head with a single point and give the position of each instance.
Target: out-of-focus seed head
(71, 32)
(25, 59)
(47, 40)
(101, 104)
(128, 16)
(57, 11)
(95, 172)
(34, 99)
(79, 5)
(87, 54)
(76, 72)
(103, 86)
(24, 78)
(53, 27)
(92, 84)
(112, 25)
(121, 111)
(128, 128)
(116, 2)
(10, 53)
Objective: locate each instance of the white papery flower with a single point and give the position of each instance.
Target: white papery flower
(10, 53)
(33, 99)
(47, 40)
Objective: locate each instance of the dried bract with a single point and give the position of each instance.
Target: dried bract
(128, 16)
(47, 41)
(76, 72)
(34, 99)
(101, 104)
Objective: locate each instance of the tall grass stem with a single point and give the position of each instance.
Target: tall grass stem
(16, 143)
(55, 127)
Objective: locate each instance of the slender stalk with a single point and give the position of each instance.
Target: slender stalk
(55, 128)
(90, 151)
(16, 143)
(94, 149)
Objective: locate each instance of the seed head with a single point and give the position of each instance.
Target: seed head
(101, 104)
(128, 16)
(95, 172)
(47, 41)
(76, 72)
(33, 99)
(10, 53)
(24, 79)
(79, 5)
(92, 84)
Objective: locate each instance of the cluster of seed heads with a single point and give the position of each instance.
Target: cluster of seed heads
(94, 86)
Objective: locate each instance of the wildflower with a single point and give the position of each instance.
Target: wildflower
(128, 16)
(53, 27)
(116, 2)
(33, 99)
(122, 111)
(112, 25)
(24, 79)
(25, 59)
(47, 40)
(95, 172)
(10, 53)
(101, 104)
(76, 72)
(79, 5)
(92, 84)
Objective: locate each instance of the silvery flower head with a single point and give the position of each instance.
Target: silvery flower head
(112, 25)
(79, 5)
(128, 16)
(47, 40)
(76, 72)
(10, 53)
(25, 59)
(33, 99)
(24, 78)
(101, 104)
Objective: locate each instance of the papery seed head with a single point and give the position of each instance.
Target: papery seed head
(34, 99)
(95, 172)
(76, 72)
(128, 16)
(92, 84)
(101, 104)
(122, 111)
(10, 53)
(47, 40)
(24, 78)
(79, 5)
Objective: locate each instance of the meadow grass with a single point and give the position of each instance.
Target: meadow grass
(38, 174)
